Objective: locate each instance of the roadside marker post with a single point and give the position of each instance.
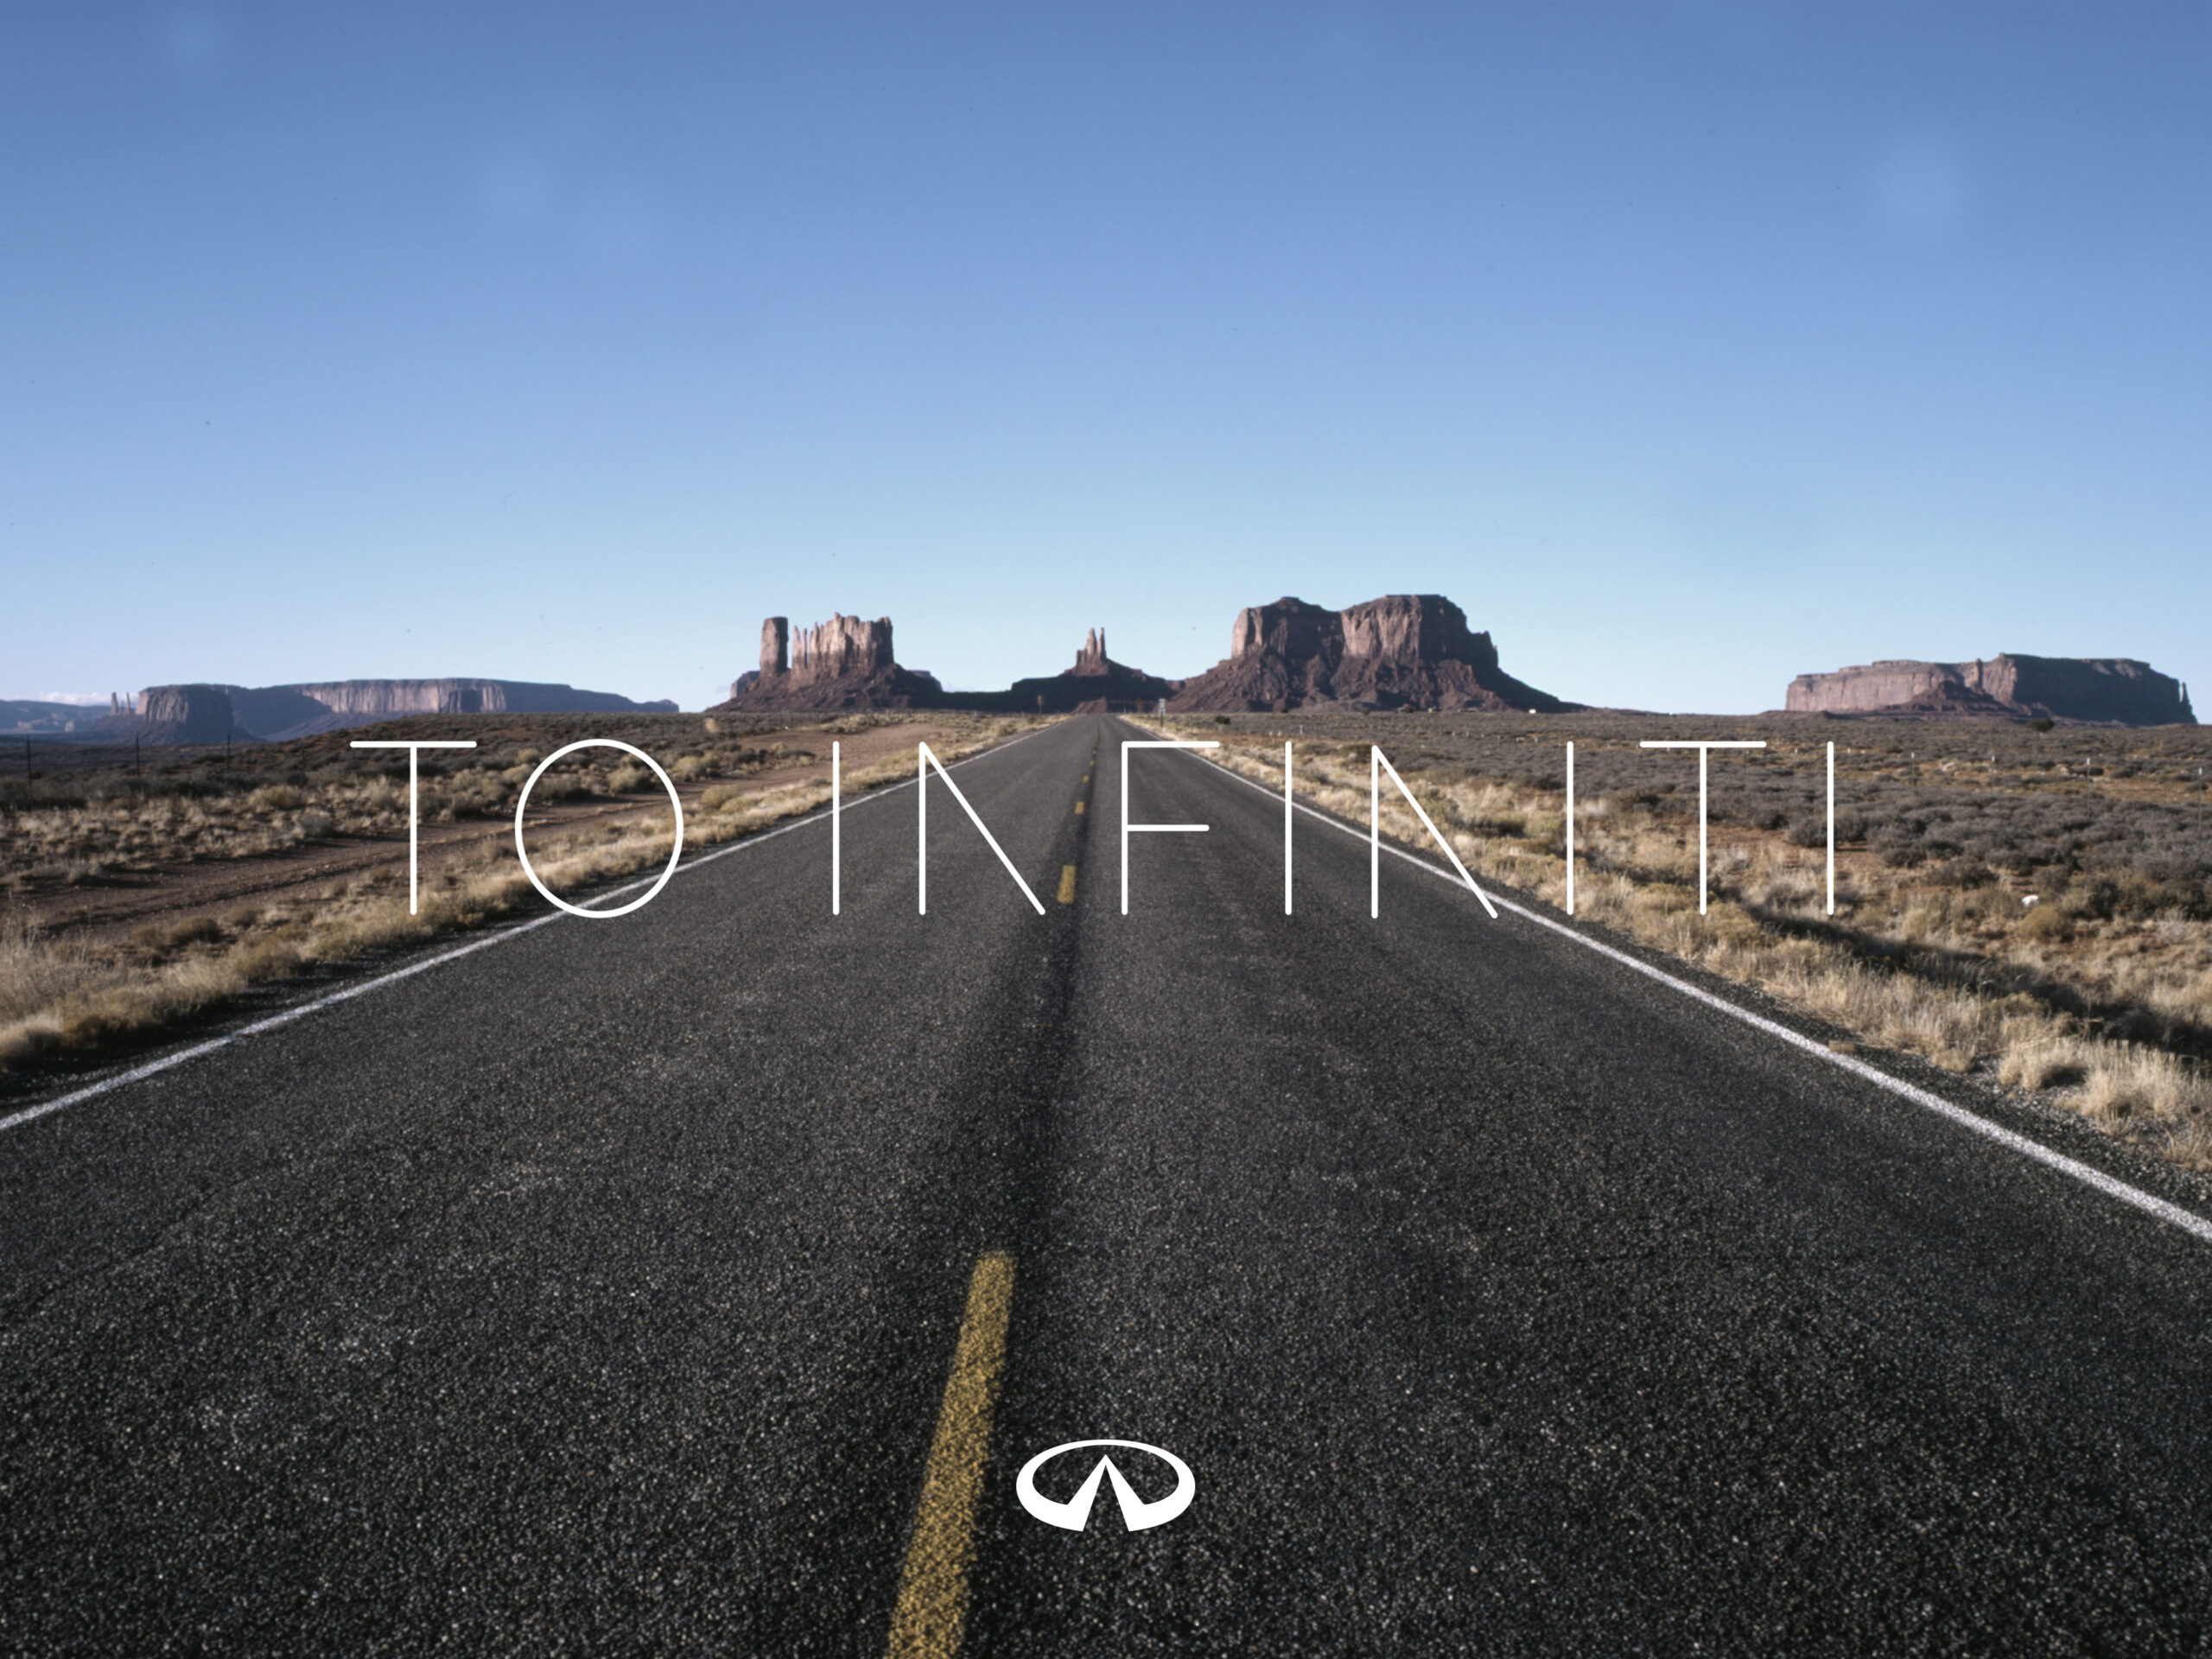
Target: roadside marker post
(1703, 746)
(1570, 828)
(415, 818)
(1831, 828)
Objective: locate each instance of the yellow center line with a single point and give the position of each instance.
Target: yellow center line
(932, 1611)
(1078, 806)
(1067, 884)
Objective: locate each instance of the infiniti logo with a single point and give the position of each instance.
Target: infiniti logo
(1136, 1514)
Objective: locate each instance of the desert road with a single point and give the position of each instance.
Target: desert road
(704, 1281)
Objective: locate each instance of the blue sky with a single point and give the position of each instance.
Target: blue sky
(1687, 346)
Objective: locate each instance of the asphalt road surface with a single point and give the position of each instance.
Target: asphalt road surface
(700, 1281)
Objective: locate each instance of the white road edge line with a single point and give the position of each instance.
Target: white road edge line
(152, 1068)
(2173, 1214)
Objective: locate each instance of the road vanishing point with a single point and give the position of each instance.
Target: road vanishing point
(700, 1282)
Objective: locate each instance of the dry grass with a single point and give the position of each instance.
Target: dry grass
(2073, 998)
(62, 993)
(68, 832)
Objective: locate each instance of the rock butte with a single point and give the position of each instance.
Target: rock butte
(2088, 690)
(1095, 685)
(844, 664)
(1403, 651)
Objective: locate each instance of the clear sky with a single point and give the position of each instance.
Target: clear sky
(1687, 346)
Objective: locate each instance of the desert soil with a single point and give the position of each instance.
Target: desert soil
(113, 907)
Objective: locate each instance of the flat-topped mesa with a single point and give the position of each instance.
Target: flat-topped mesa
(367, 700)
(338, 705)
(185, 713)
(2120, 690)
(1402, 651)
(2099, 690)
(207, 713)
(1891, 682)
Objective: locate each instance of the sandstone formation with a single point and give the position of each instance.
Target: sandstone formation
(211, 713)
(842, 665)
(186, 714)
(2103, 690)
(19, 716)
(293, 711)
(1404, 650)
(1095, 684)
(842, 645)
(356, 703)
(1409, 650)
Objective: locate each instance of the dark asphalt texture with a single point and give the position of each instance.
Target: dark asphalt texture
(595, 1292)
